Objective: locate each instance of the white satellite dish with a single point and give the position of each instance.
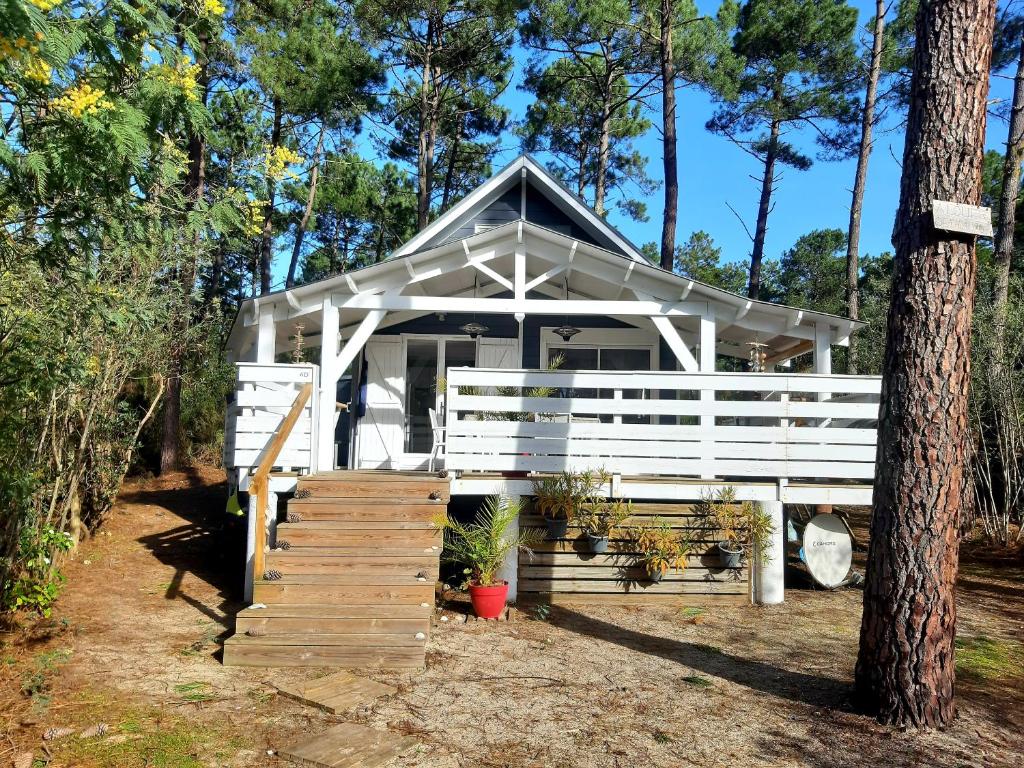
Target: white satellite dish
(827, 550)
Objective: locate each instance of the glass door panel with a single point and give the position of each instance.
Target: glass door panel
(624, 359)
(420, 394)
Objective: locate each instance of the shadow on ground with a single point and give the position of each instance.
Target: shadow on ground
(207, 543)
(756, 675)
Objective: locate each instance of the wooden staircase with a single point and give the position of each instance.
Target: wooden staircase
(351, 579)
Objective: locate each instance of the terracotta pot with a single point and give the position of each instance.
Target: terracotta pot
(488, 602)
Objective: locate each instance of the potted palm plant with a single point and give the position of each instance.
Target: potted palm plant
(482, 546)
(659, 548)
(741, 527)
(600, 518)
(560, 498)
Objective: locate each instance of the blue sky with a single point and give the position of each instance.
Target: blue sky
(715, 174)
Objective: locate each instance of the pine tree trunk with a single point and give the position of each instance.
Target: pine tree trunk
(453, 163)
(905, 673)
(668, 113)
(602, 154)
(195, 188)
(1008, 210)
(860, 181)
(267, 236)
(300, 231)
(424, 164)
(763, 209)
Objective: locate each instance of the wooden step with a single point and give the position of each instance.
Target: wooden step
(308, 592)
(341, 610)
(329, 486)
(242, 650)
(349, 579)
(270, 625)
(327, 561)
(334, 534)
(349, 639)
(367, 525)
(383, 510)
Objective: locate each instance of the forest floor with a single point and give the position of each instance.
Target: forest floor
(134, 643)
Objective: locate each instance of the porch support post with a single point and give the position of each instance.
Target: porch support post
(328, 387)
(770, 562)
(509, 570)
(707, 365)
(266, 340)
(823, 352)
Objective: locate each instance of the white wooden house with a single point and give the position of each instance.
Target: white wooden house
(517, 273)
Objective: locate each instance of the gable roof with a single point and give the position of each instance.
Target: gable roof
(524, 169)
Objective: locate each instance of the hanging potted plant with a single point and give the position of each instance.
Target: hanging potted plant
(482, 546)
(560, 498)
(659, 549)
(741, 528)
(600, 518)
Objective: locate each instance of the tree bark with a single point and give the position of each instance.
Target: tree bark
(905, 672)
(600, 183)
(267, 237)
(668, 116)
(763, 209)
(1008, 211)
(424, 148)
(453, 162)
(195, 188)
(867, 126)
(300, 230)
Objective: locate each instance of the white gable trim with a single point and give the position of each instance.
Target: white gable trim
(523, 167)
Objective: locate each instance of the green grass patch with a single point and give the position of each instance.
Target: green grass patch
(36, 681)
(195, 691)
(984, 658)
(141, 735)
(689, 613)
(697, 681)
(661, 737)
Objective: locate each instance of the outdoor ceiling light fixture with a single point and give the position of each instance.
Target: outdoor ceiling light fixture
(474, 329)
(566, 331)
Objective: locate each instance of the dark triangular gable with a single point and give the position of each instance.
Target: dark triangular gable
(540, 210)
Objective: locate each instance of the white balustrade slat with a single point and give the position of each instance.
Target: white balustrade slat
(734, 382)
(638, 407)
(274, 374)
(564, 430)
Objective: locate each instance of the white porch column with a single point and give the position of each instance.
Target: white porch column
(509, 570)
(266, 341)
(823, 353)
(770, 564)
(328, 393)
(707, 365)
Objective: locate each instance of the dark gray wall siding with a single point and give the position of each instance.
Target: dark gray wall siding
(539, 210)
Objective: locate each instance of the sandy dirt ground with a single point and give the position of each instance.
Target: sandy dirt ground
(134, 644)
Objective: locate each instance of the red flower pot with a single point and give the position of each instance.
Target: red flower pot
(488, 602)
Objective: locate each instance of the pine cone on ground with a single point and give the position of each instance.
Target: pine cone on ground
(271, 575)
(302, 493)
(293, 517)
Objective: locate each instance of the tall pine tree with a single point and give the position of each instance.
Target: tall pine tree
(800, 73)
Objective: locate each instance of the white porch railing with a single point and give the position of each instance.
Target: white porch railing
(742, 425)
(263, 396)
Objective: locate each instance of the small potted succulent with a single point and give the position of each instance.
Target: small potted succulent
(659, 548)
(741, 527)
(600, 518)
(482, 546)
(561, 497)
